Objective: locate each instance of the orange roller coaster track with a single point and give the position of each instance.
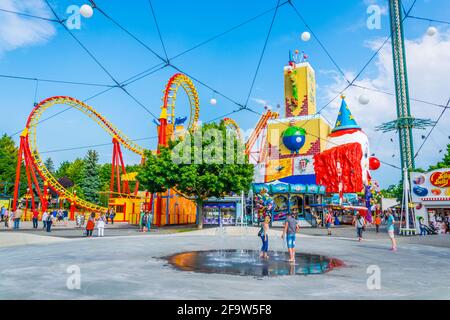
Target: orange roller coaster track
(28, 151)
(29, 154)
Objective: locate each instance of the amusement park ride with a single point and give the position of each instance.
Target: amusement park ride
(126, 203)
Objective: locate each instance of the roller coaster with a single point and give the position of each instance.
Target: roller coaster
(35, 167)
(120, 193)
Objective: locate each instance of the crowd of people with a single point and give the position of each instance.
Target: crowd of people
(291, 228)
(88, 222)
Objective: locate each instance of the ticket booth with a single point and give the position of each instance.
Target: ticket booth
(126, 209)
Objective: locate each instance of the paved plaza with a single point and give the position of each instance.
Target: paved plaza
(127, 264)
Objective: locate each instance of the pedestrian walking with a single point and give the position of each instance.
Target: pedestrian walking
(35, 218)
(328, 222)
(90, 225)
(6, 218)
(17, 215)
(377, 223)
(360, 224)
(101, 226)
(390, 221)
(290, 229)
(264, 235)
(144, 222)
(112, 215)
(44, 220)
(49, 222)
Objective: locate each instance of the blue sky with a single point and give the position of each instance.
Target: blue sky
(43, 49)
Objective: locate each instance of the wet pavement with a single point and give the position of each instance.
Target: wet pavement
(249, 263)
(131, 267)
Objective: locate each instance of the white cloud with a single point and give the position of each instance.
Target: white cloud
(262, 102)
(18, 31)
(428, 63)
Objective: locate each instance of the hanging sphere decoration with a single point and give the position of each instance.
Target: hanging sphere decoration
(374, 163)
(363, 99)
(86, 11)
(306, 36)
(431, 31)
(213, 101)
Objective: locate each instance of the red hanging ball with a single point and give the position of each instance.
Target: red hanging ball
(374, 163)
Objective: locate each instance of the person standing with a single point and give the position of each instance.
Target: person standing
(90, 225)
(49, 222)
(6, 218)
(44, 220)
(390, 221)
(2, 213)
(101, 226)
(144, 222)
(35, 218)
(112, 215)
(360, 224)
(264, 234)
(423, 230)
(328, 222)
(290, 229)
(17, 215)
(377, 223)
(150, 220)
(66, 217)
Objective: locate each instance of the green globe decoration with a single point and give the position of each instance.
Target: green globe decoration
(294, 138)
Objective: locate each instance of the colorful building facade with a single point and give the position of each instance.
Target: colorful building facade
(431, 196)
(293, 141)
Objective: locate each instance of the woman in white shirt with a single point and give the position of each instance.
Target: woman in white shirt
(101, 226)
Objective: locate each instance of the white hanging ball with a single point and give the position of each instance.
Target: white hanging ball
(86, 11)
(431, 31)
(306, 36)
(213, 101)
(363, 99)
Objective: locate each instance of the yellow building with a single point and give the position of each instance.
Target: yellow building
(299, 89)
(300, 111)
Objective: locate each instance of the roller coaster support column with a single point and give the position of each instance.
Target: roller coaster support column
(72, 210)
(162, 142)
(117, 165)
(24, 154)
(18, 167)
(45, 197)
(72, 206)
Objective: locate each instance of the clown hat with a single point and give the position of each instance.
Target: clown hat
(345, 119)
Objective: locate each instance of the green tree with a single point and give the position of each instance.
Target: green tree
(75, 171)
(50, 165)
(393, 191)
(199, 180)
(90, 183)
(62, 170)
(445, 163)
(105, 178)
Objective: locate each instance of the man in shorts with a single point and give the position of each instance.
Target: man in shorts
(290, 229)
(390, 221)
